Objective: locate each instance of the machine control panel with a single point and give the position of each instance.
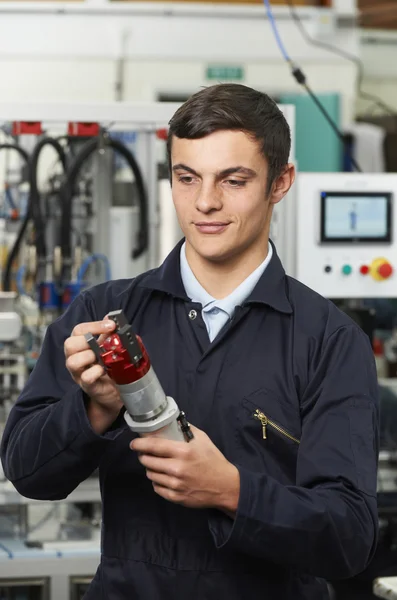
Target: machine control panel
(347, 234)
(379, 269)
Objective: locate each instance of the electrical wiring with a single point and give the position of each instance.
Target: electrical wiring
(19, 278)
(87, 150)
(343, 54)
(12, 255)
(34, 198)
(89, 261)
(300, 77)
(33, 211)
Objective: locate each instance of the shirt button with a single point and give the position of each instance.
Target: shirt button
(192, 315)
(215, 311)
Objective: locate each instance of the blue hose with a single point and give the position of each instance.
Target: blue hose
(89, 261)
(9, 198)
(19, 277)
(272, 21)
(7, 550)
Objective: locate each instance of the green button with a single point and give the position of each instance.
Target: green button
(346, 269)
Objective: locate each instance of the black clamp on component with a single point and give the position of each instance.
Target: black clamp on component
(185, 427)
(127, 336)
(95, 347)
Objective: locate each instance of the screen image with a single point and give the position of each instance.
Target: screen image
(355, 217)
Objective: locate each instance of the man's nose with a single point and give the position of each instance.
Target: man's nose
(209, 198)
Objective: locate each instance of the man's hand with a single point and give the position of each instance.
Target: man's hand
(105, 402)
(195, 474)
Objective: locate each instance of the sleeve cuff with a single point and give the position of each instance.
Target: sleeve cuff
(226, 530)
(117, 428)
(74, 402)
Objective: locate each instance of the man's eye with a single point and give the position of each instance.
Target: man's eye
(186, 179)
(236, 182)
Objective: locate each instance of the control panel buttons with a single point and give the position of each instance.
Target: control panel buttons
(385, 270)
(346, 269)
(381, 269)
(364, 270)
(328, 269)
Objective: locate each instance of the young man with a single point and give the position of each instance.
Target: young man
(277, 491)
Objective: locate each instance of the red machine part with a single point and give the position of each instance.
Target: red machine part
(83, 129)
(27, 128)
(162, 134)
(118, 363)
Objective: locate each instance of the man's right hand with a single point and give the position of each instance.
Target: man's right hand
(105, 402)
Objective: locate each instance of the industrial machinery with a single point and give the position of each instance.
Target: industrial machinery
(148, 410)
(347, 234)
(12, 355)
(103, 192)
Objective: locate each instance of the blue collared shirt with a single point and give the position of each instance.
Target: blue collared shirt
(216, 313)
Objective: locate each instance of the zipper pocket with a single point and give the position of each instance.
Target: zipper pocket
(258, 414)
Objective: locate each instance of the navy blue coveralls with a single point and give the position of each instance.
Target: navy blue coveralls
(307, 509)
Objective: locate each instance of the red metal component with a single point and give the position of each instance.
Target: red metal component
(118, 363)
(27, 128)
(162, 134)
(83, 129)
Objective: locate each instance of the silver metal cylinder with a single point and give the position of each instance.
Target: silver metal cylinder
(144, 399)
(165, 425)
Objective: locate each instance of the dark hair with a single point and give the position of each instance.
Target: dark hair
(231, 106)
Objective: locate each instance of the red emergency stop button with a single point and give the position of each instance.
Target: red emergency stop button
(385, 270)
(380, 269)
(364, 270)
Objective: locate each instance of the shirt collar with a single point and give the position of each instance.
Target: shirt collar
(270, 290)
(193, 287)
(197, 293)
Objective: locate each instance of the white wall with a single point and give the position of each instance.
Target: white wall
(71, 52)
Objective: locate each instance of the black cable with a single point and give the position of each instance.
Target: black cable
(346, 55)
(34, 196)
(300, 78)
(89, 148)
(13, 253)
(17, 148)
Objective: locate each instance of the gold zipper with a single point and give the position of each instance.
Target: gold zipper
(258, 414)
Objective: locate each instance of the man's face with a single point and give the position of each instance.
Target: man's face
(219, 185)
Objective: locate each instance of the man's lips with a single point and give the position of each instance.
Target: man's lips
(214, 227)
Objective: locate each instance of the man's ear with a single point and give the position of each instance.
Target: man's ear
(282, 184)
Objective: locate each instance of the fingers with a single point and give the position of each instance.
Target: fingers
(165, 481)
(159, 447)
(103, 337)
(77, 342)
(91, 375)
(160, 465)
(81, 360)
(96, 327)
(166, 493)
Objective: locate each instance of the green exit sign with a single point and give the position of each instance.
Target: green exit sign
(225, 72)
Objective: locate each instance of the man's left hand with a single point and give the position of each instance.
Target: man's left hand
(195, 474)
